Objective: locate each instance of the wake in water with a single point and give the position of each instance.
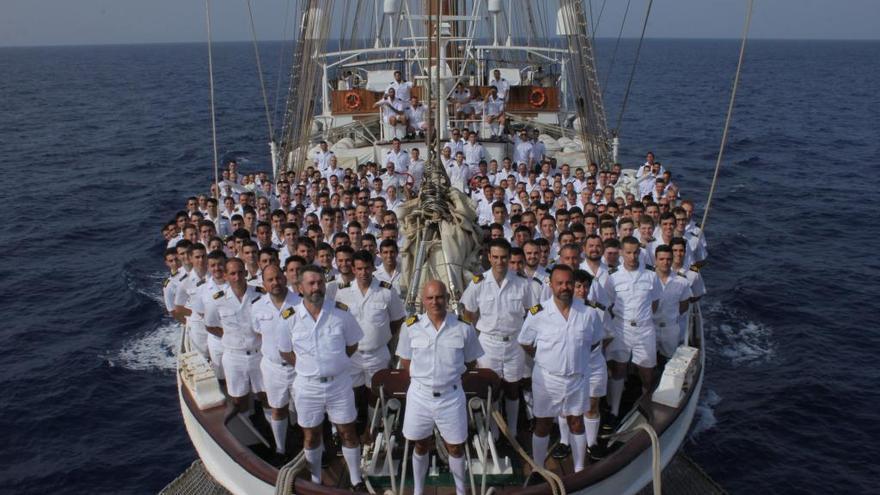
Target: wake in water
(151, 352)
(704, 418)
(736, 338)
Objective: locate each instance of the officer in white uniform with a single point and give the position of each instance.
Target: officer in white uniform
(635, 293)
(474, 153)
(229, 311)
(692, 274)
(184, 299)
(401, 88)
(559, 333)
(269, 315)
(170, 284)
(437, 348)
(522, 151)
(497, 301)
(324, 335)
(399, 157)
(215, 282)
(673, 303)
(378, 309)
(322, 157)
(500, 84)
(493, 112)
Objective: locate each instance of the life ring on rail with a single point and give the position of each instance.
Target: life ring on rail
(352, 100)
(537, 97)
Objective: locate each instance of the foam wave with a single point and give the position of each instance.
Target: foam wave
(151, 352)
(704, 418)
(736, 338)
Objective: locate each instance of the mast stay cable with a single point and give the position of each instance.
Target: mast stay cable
(742, 51)
(211, 91)
(260, 72)
(632, 73)
(614, 52)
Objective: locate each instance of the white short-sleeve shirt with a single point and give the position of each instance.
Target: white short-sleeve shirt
(224, 309)
(373, 310)
(270, 322)
(562, 345)
(319, 345)
(502, 306)
(438, 356)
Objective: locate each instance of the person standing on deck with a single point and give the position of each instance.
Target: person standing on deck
(437, 348)
(324, 336)
(635, 293)
(496, 302)
(559, 334)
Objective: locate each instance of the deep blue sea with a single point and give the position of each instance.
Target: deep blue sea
(100, 145)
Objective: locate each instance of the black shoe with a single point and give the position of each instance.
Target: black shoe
(561, 451)
(597, 452)
(609, 424)
(360, 488)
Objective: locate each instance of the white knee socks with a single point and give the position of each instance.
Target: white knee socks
(592, 427)
(578, 450)
(353, 460)
(615, 392)
(420, 470)
(539, 449)
(511, 408)
(456, 465)
(313, 457)
(279, 431)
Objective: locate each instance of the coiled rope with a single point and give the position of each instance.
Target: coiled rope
(211, 90)
(739, 64)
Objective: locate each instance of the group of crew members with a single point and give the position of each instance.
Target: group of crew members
(400, 107)
(293, 293)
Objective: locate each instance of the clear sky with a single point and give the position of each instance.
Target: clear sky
(77, 22)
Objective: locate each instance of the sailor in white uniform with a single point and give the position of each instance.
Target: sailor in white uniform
(497, 301)
(560, 333)
(322, 157)
(401, 88)
(437, 348)
(493, 112)
(378, 309)
(474, 153)
(500, 84)
(398, 156)
(673, 303)
(170, 284)
(692, 274)
(269, 317)
(324, 335)
(635, 293)
(216, 281)
(229, 311)
(184, 298)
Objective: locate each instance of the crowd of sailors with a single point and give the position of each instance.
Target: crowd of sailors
(292, 291)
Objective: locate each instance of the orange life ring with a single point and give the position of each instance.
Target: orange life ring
(352, 100)
(537, 97)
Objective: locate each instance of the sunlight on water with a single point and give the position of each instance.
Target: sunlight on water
(704, 418)
(151, 352)
(738, 339)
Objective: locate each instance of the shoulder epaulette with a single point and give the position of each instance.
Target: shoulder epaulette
(695, 268)
(681, 273)
(260, 290)
(385, 285)
(520, 274)
(218, 294)
(535, 309)
(256, 299)
(649, 267)
(200, 283)
(184, 277)
(341, 306)
(411, 320)
(462, 318)
(597, 305)
(166, 282)
(287, 313)
(345, 285)
(478, 278)
(612, 269)
(536, 279)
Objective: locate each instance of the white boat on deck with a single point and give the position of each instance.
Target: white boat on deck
(544, 52)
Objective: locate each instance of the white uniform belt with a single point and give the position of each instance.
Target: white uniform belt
(436, 391)
(246, 352)
(636, 323)
(661, 323)
(560, 375)
(276, 362)
(499, 337)
(320, 379)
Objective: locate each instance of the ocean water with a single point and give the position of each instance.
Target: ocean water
(100, 145)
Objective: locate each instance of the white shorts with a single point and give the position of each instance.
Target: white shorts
(365, 364)
(278, 382)
(243, 374)
(667, 337)
(215, 351)
(198, 338)
(636, 344)
(598, 373)
(447, 411)
(506, 358)
(398, 118)
(555, 395)
(313, 398)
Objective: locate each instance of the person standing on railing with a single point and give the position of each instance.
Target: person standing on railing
(401, 88)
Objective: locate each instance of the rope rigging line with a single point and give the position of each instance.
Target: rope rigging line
(616, 45)
(281, 71)
(632, 73)
(742, 51)
(260, 72)
(211, 91)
